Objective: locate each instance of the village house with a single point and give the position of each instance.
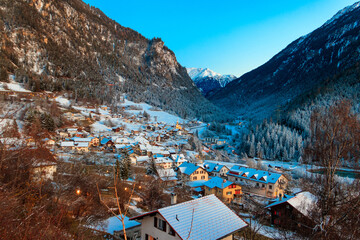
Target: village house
(142, 160)
(258, 182)
(215, 169)
(67, 145)
(178, 159)
(293, 212)
(223, 189)
(106, 142)
(191, 172)
(81, 147)
(168, 176)
(72, 131)
(193, 220)
(162, 162)
(42, 171)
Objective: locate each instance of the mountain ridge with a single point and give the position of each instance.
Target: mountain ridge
(207, 80)
(69, 46)
(304, 64)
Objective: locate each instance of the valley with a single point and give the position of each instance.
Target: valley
(105, 135)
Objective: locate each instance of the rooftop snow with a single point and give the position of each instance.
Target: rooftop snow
(188, 168)
(217, 182)
(210, 218)
(254, 174)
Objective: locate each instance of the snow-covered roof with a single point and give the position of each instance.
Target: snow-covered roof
(67, 144)
(167, 174)
(104, 141)
(254, 174)
(218, 183)
(81, 144)
(78, 139)
(212, 167)
(142, 158)
(207, 217)
(188, 168)
(113, 224)
(302, 201)
(160, 160)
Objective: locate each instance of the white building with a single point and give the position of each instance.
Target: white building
(204, 218)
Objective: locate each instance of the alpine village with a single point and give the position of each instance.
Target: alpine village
(105, 135)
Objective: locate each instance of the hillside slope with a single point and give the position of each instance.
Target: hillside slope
(304, 65)
(66, 45)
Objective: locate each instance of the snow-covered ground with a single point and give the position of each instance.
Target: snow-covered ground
(12, 86)
(64, 102)
(160, 115)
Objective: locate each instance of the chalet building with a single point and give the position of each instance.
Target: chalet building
(67, 145)
(258, 182)
(178, 159)
(215, 169)
(72, 131)
(191, 172)
(41, 171)
(193, 220)
(223, 189)
(163, 162)
(107, 142)
(81, 147)
(293, 212)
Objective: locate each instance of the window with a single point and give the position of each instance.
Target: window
(228, 193)
(194, 178)
(270, 186)
(162, 225)
(202, 177)
(155, 221)
(263, 185)
(257, 184)
(171, 231)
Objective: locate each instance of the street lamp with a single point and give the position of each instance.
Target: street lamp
(78, 192)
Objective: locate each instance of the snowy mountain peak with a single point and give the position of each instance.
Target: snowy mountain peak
(207, 80)
(197, 73)
(343, 12)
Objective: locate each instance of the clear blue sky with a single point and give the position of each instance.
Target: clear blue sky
(228, 36)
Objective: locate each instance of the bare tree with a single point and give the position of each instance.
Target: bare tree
(335, 141)
(122, 201)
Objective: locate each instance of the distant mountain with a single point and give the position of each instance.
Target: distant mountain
(69, 46)
(301, 71)
(207, 80)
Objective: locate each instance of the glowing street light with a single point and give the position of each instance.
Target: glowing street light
(78, 192)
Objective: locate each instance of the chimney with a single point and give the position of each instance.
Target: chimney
(173, 198)
(280, 197)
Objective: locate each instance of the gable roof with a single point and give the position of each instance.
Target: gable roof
(205, 214)
(217, 182)
(188, 168)
(254, 174)
(104, 141)
(213, 167)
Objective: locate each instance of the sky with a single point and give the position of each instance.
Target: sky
(228, 36)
